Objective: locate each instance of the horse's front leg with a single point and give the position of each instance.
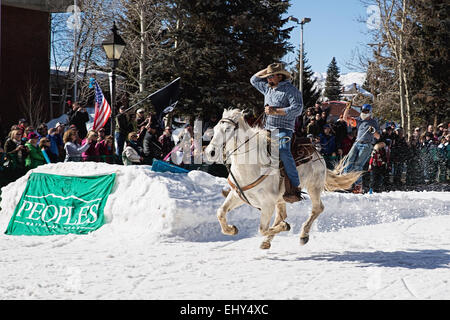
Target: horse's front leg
(266, 215)
(278, 225)
(232, 201)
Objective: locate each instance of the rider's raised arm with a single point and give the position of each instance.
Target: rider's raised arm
(259, 83)
(349, 120)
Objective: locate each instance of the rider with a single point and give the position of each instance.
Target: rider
(368, 131)
(283, 104)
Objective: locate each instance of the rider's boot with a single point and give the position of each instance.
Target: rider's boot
(292, 195)
(357, 189)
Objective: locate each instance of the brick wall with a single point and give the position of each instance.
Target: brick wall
(24, 58)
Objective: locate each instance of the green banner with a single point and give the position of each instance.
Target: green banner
(54, 204)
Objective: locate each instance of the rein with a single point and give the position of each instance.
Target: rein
(233, 181)
(236, 125)
(235, 185)
(240, 190)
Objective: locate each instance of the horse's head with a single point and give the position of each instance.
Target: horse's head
(224, 132)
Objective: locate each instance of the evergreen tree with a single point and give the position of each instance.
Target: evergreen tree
(310, 93)
(333, 85)
(428, 51)
(406, 73)
(215, 47)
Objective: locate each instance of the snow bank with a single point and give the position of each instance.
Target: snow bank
(147, 203)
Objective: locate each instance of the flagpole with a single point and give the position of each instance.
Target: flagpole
(113, 95)
(75, 69)
(150, 95)
(138, 103)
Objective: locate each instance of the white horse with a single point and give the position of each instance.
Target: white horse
(260, 181)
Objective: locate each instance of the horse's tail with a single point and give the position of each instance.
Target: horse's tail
(337, 180)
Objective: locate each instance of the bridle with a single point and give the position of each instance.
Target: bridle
(233, 122)
(235, 128)
(234, 184)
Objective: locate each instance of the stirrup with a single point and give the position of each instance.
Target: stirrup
(296, 196)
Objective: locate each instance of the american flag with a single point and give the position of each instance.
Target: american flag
(102, 109)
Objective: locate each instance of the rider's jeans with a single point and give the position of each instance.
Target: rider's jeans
(285, 137)
(358, 156)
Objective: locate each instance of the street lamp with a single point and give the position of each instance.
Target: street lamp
(301, 23)
(113, 45)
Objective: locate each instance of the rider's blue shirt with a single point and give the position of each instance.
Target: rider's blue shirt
(364, 134)
(284, 96)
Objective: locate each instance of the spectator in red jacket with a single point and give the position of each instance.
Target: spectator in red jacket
(378, 166)
(347, 142)
(105, 149)
(91, 154)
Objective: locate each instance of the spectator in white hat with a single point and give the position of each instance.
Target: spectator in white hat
(141, 120)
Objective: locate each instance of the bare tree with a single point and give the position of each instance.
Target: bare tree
(391, 60)
(32, 103)
(93, 25)
(143, 24)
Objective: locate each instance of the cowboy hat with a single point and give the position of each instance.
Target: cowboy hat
(274, 68)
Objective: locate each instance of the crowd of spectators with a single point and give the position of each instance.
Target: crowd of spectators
(394, 162)
(26, 147)
(139, 138)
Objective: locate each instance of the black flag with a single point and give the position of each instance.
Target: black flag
(165, 99)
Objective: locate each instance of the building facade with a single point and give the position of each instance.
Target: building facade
(25, 57)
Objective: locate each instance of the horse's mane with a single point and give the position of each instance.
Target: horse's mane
(239, 116)
(255, 132)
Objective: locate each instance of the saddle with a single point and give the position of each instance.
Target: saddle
(302, 150)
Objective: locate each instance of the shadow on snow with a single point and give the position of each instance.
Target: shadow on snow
(413, 259)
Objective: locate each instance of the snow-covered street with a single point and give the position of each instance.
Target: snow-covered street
(161, 240)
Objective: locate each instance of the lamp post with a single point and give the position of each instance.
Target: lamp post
(75, 69)
(301, 23)
(113, 45)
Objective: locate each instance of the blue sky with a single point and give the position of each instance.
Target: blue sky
(333, 31)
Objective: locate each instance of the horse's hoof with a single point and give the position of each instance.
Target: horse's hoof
(265, 245)
(230, 231)
(304, 240)
(287, 226)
